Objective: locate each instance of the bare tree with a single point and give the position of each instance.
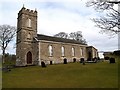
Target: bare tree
(73, 35)
(61, 35)
(109, 23)
(77, 36)
(7, 34)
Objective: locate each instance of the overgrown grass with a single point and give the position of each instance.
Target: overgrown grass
(71, 75)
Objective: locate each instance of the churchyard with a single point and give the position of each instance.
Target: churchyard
(72, 75)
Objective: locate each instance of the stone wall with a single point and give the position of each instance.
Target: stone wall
(57, 52)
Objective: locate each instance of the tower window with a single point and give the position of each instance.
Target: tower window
(28, 23)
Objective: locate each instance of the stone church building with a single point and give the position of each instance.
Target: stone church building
(33, 48)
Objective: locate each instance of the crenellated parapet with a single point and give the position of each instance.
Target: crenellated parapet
(27, 12)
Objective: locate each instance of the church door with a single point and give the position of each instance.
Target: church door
(29, 58)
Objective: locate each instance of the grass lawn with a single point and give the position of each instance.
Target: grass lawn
(71, 75)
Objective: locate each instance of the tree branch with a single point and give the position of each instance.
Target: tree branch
(7, 34)
(109, 23)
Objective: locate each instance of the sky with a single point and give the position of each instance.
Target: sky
(56, 16)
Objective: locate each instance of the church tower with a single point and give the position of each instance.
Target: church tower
(26, 31)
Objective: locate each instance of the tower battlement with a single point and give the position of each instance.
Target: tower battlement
(27, 11)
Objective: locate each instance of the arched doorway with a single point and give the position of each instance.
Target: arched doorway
(29, 58)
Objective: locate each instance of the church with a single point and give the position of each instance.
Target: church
(33, 48)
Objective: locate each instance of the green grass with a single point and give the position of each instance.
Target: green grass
(71, 75)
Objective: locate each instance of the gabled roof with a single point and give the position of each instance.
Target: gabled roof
(57, 39)
(91, 47)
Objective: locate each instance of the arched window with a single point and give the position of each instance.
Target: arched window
(63, 51)
(73, 51)
(50, 50)
(28, 23)
(82, 52)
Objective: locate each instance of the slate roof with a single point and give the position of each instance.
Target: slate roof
(57, 39)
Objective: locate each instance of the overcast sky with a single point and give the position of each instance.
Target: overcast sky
(56, 16)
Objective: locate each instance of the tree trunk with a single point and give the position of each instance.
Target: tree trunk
(3, 56)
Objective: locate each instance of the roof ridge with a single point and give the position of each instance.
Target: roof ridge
(57, 39)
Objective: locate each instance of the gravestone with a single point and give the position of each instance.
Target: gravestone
(74, 59)
(95, 59)
(6, 69)
(65, 61)
(98, 58)
(84, 62)
(81, 60)
(43, 64)
(112, 60)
